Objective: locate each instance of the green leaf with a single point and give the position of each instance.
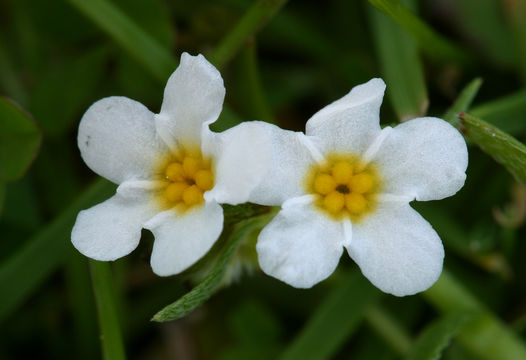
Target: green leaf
(401, 66)
(63, 92)
(391, 331)
(506, 113)
(253, 20)
(110, 332)
(433, 44)
(504, 148)
(142, 47)
(39, 256)
(20, 139)
(335, 320)
(463, 101)
(484, 335)
(208, 286)
(436, 337)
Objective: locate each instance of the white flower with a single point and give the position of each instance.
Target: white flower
(171, 169)
(347, 183)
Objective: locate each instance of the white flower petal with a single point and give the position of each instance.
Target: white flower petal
(300, 246)
(181, 240)
(397, 249)
(193, 98)
(117, 139)
(260, 163)
(111, 229)
(425, 158)
(351, 123)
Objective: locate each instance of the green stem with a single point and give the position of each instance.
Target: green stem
(111, 338)
(256, 94)
(258, 14)
(485, 335)
(389, 329)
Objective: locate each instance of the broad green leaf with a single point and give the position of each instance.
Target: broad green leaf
(19, 140)
(209, 285)
(433, 44)
(401, 65)
(335, 320)
(463, 101)
(62, 93)
(145, 49)
(504, 148)
(23, 272)
(436, 337)
(484, 335)
(255, 18)
(110, 332)
(508, 113)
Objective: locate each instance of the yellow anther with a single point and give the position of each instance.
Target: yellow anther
(355, 203)
(324, 184)
(190, 166)
(204, 179)
(192, 195)
(361, 183)
(174, 171)
(174, 191)
(342, 172)
(334, 202)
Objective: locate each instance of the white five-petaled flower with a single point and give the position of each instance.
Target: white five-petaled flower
(171, 169)
(347, 183)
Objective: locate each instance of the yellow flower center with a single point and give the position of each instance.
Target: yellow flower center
(344, 187)
(187, 177)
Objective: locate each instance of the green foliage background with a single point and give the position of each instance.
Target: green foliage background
(281, 61)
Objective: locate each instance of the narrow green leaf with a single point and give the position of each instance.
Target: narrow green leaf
(257, 16)
(20, 139)
(436, 337)
(433, 44)
(335, 320)
(401, 65)
(484, 335)
(129, 36)
(504, 148)
(463, 101)
(385, 325)
(24, 271)
(515, 10)
(208, 286)
(507, 113)
(256, 99)
(110, 332)
(58, 99)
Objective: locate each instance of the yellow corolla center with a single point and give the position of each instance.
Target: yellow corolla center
(187, 177)
(344, 187)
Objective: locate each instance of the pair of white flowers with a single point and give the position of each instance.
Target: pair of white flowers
(344, 183)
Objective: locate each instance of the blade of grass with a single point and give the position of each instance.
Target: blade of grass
(484, 335)
(434, 45)
(144, 48)
(436, 337)
(335, 320)
(508, 113)
(401, 65)
(40, 255)
(504, 148)
(210, 284)
(110, 332)
(257, 16)
(251, 79)
(463, 101)
(389, 329)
